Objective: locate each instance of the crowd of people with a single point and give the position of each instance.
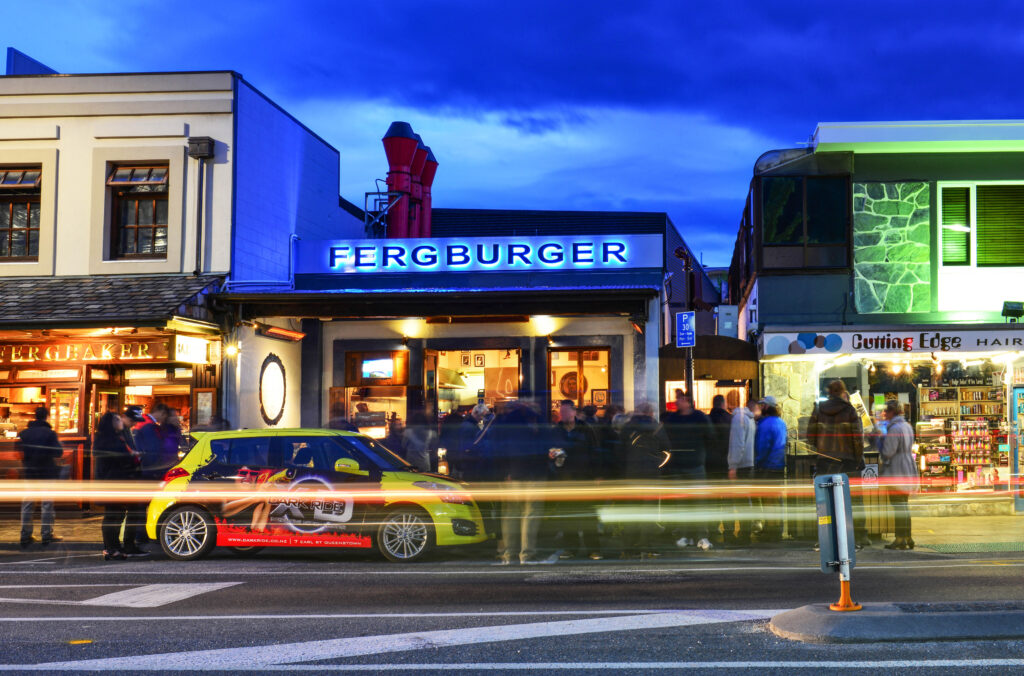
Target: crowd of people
(127, 445)
(529, 457)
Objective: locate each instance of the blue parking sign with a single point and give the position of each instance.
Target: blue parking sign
(686, 329)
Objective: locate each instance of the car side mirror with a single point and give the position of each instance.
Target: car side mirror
(349, 466)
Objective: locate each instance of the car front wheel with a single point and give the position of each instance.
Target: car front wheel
(188, 533)
(405, 535)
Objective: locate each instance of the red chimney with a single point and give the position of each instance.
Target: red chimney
(415, 206)
(400, 147)
(427, 180)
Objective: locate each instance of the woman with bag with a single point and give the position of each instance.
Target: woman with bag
(115, 461)
(899, 471)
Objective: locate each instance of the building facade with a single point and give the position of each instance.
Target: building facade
(496, 306)
(126, 202)
(883, 255)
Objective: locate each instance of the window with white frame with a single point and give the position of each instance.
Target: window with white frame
(982, 225)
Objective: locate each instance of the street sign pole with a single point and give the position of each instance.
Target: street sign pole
(835, 534)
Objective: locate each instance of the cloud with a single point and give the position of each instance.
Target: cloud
(592, 158)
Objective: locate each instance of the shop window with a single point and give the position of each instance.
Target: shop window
(139, 211)
(956, 229)
(805, 221)
(19, 214)
(580, 374)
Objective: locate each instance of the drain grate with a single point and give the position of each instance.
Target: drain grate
(968, 607)
(973, 547)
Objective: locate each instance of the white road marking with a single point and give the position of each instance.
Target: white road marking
(156, 595)
(54, 586)
(292, 653)
(596, 569)
(356, 616)
(147, 596)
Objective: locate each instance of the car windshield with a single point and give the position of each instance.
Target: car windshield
(376, 453)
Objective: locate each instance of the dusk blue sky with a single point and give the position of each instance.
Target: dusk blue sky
(660, 106)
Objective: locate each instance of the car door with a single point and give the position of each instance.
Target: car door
(242, 472)
(324, 513)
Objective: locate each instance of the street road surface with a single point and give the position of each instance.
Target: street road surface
(69, 611)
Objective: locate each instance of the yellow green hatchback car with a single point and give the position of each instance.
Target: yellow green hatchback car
(251, 489)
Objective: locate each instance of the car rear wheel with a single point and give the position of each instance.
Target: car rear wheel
(188, 533)
(246, 552)
(405, 535)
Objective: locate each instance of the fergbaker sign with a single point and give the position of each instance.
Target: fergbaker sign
(898, 341)
(492, 254)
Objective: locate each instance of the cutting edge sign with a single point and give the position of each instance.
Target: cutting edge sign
(894, 341)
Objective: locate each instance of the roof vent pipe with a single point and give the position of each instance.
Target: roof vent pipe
(427, 180)
(400, 147)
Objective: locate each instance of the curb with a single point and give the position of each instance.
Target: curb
(889, 622)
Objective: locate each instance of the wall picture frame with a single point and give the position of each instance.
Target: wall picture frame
(466, 359)
(599, 397)
(479, 360)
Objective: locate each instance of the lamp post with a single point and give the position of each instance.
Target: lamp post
(684, 255)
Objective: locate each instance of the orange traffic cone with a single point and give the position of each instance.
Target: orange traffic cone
(845, 603)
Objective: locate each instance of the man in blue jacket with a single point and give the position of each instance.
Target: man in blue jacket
(770, 464)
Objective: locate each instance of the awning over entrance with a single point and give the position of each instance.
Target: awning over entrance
(103, 300)
(717, 357)
(625, 300)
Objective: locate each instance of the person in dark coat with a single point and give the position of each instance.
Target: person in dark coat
(576, 519)
(716, 462)
(115, 461)
(836, 434)
(149, 440)
(472, 458)
(645, 448)
(40, 448)
(522, 455)
(689, 432)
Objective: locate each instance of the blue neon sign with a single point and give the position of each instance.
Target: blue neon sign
(461, 254)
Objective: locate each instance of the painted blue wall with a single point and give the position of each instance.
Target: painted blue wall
(286, 183)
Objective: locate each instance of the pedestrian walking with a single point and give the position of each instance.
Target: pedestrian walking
(574, 520)
(419, 442)
(40, 449)
(522, 447)
(472, 457)
(149, 440)
(645, 448)
(742, 434)
(836, 434)
(173, 440)
(115, 461)
(770, 442)
(689, 432)
(899, 471)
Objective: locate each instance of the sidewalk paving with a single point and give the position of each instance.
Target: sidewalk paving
(898, 622)
(937, 535)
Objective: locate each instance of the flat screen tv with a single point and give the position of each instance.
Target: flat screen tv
(378, 368)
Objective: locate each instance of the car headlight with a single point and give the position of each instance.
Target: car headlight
(447, 493)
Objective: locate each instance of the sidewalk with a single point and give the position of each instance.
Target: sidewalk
(932, 535)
